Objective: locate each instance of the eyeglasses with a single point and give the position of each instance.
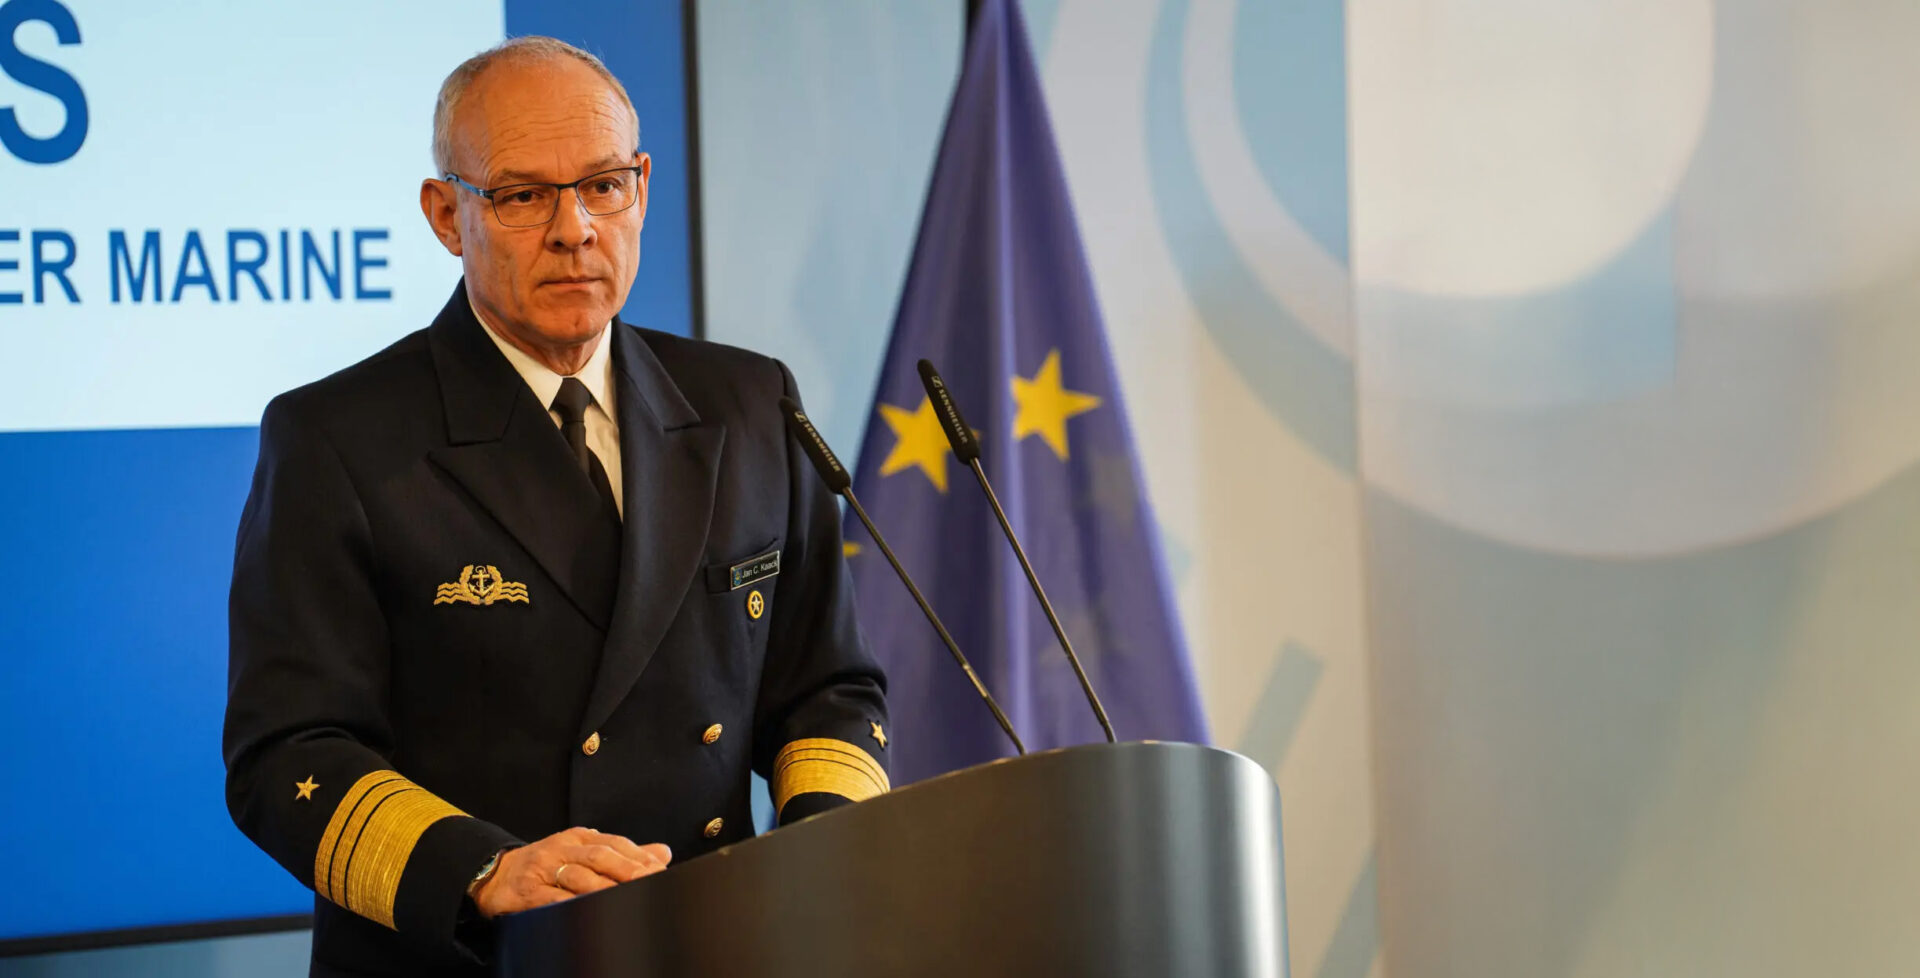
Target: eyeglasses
(530, 205)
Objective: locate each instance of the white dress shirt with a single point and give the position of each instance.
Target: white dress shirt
(603, 432)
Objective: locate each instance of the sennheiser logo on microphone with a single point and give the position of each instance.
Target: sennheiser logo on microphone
(821, 443)
(954, 424)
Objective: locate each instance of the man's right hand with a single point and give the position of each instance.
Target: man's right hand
(563, 865)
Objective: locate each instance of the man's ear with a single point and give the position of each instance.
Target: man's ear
(438, 204)
(645, 163)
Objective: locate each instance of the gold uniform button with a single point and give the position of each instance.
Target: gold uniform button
(714, 827)
(592, 746)
(712, 734)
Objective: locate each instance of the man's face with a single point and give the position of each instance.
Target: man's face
(552, 286)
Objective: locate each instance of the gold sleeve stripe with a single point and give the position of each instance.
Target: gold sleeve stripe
(827, 765)
(367, 843)
(836, 751)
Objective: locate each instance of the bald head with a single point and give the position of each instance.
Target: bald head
(528, 54)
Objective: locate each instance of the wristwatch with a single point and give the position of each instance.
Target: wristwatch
(486, 872)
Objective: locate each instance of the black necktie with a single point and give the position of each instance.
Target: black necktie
(571, 405)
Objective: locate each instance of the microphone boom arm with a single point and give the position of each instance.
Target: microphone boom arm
(966, 448)
(840, 482)
(1059, 632)
(926, 609)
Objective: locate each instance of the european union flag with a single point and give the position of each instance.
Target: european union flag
(999, 297)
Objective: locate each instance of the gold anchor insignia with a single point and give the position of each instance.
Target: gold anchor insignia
(481, 584)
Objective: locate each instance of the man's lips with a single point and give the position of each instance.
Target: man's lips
(572, 280)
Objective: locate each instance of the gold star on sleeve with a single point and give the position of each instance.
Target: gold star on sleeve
(305, 789)
(920, 442)
(1044, 405)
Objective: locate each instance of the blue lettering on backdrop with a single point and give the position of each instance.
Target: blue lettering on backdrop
(286, 267)
(204, 277)
(249, 253)
(251, 266)
(310, 259)
(41, 76)
(119, 258)
(361, 262)
(8, 265)
(57, 269)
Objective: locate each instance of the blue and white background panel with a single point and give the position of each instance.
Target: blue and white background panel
(202, 205)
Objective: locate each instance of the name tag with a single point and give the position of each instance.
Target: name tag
(753, 569)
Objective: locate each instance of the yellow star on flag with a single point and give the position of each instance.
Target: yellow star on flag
(921, 442)
(1043, 406)
(850, 549)
(305, 788)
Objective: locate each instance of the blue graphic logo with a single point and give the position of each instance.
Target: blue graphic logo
(39, 75)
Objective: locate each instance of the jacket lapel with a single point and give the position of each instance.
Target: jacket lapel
(505, 450)
(670, 461)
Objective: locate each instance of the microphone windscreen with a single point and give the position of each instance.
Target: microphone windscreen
(836, 477)
(965, 446)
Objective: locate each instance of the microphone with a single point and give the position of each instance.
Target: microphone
(840, 482)
(967, 448)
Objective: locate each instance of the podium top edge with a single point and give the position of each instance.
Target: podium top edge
(1050, 756)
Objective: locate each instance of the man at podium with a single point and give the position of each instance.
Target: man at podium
(519, 601)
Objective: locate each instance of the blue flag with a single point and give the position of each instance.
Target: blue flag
(999, 297)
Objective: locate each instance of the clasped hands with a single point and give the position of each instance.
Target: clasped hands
(564, 865)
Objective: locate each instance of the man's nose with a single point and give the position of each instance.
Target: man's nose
(572, 226)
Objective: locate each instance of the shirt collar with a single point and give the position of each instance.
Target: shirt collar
(597, 374)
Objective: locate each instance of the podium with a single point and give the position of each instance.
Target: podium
(1148, 859)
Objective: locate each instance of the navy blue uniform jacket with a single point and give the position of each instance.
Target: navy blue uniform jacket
(443, 642)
